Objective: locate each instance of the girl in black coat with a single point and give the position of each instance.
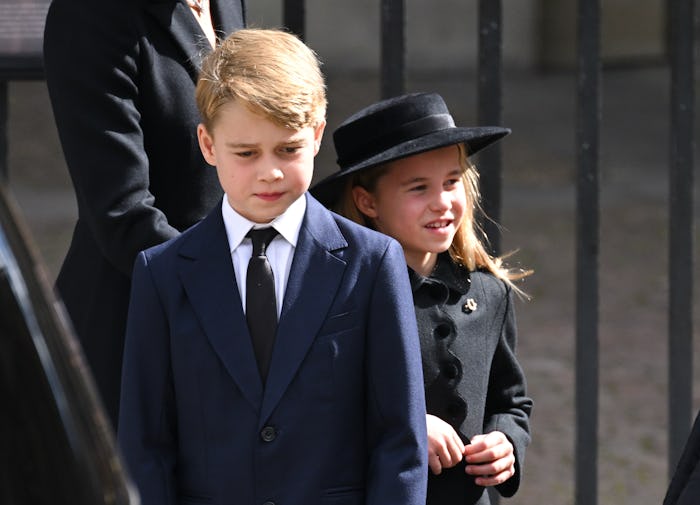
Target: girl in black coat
(121, 76)
(405, 172)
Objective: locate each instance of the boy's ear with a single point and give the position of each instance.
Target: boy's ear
(206, 144)
(364, 201)
(318, 135)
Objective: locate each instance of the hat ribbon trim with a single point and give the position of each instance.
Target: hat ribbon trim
(404, 133)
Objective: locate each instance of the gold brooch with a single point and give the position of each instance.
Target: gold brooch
(470, 306)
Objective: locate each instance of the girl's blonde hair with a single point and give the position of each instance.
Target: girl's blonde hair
(271, 71)
(467, 248)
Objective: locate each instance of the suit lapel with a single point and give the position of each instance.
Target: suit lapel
(178, 21)
(313, 281)
(206, 271)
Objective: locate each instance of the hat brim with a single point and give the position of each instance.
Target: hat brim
(474, 138)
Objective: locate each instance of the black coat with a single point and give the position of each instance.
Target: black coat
(121, 77)
(473, 381)
(684, 488)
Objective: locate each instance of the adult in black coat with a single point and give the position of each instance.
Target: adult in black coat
(684, 488)
(121, 77)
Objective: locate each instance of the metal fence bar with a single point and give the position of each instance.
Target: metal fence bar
(393, 50)
(680, 314)
(489, 112)
(294, 16)
(489, 93)
(587, 250)
(4, 172)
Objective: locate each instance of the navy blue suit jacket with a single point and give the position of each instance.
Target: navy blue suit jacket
(341, 419)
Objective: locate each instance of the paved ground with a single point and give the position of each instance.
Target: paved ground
(539, 220)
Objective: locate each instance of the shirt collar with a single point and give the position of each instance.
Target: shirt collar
(287, 224)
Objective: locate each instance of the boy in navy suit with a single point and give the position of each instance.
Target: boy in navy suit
(326, 408)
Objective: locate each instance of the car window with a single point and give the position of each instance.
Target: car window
(56, 445)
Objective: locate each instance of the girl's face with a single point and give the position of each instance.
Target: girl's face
(421, 202)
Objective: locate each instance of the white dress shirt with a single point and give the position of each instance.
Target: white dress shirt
(280, 252)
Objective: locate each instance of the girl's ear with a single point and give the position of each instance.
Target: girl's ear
(206, 144)
(364, 201)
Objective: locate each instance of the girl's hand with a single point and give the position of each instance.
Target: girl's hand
(490, 458)
(445, 448)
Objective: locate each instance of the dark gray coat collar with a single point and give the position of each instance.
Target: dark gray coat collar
(446, 272)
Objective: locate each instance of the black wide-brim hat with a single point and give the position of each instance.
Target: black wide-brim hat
(396, 128)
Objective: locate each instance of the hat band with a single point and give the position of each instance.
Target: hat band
(404, 133)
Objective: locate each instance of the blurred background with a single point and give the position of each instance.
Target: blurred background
(538, 211)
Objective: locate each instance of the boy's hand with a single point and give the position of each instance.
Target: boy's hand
(445, 448)
(490, 459)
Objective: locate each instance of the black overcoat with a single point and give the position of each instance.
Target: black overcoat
(684, 488)
(473, 380)
(121, 77)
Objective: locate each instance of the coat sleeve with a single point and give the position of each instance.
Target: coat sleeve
(91, 60)
(508, 407)
(396, 405)
(147, 428)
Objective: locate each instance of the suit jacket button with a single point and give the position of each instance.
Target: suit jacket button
(268, 434)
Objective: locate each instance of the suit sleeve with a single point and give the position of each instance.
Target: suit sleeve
(147, 418)
(396, 412)
(507, 405)
(91, 60)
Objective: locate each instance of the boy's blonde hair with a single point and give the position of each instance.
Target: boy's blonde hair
(271, 71)
(467, 248)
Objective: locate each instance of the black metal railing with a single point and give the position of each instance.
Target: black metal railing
(680, 28)
(587, 249)
(21, 35)
(393, 50)
(490, 112)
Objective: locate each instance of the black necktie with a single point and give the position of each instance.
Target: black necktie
(261, 305)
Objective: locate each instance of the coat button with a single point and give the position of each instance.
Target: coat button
(442, 330)
(450, 370)
(455, 409)
(268, 434)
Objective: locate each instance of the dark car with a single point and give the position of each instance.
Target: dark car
(56, 444)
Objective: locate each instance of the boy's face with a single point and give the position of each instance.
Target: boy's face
(262, 167)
